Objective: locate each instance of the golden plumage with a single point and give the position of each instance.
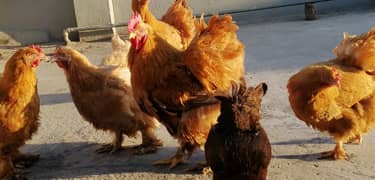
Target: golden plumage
(177, 86)
(343, 109)
(19, 108)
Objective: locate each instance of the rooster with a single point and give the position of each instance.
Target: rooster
(103, 96)
(178, 86)
(237, 146)
(178, 26)
(19, 108)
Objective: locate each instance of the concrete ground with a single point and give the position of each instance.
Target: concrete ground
(277, 47)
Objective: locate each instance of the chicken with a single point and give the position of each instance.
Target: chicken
(358, 51)
(119, 55)
(178, 87)
(237, 146)
(19, 108)
(103, 96)
(178, 26)
(335, 98)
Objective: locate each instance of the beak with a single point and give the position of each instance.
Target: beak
(132, 35)
(50, 59)
(44, 58)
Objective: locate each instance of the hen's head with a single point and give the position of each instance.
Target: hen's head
(63, 57)
(68, 58)
(243, 108)
(31, 55)
(329, 76)
(137, 30)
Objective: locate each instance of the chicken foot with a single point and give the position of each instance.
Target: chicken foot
(150, 143)
(201, 166)
(7, 170)
(173, 161)
(356, 140)
(21, 160)
(337, 154)
(114, 146)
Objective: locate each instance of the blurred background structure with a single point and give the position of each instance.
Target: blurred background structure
(24, 21)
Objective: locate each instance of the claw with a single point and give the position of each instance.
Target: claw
(337, 154)
(173, 161)
(108, 148)
(201, 166)
(334, 155)
(207, 171)
(25, 160)
(144, 149)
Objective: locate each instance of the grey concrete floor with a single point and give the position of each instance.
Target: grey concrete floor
(276, 48)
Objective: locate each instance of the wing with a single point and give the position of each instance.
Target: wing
(12, 124)
(13, 117)
(216, 56)
(185, 92)
(355, 85)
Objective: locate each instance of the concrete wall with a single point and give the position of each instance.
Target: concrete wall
(122, 8)
(96, 12)
(33, 21)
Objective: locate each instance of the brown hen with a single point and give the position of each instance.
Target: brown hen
(237, 146)
(103, 96)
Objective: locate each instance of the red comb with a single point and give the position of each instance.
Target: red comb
(338, 77)
(36, 47)
(57, 50)
(134, 20)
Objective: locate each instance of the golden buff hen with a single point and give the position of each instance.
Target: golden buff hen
(103, 96)
(19, 108)
(178, 86)
(335, 98)
(237, 146)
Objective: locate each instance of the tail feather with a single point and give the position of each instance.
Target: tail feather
(181, 17)
(216, 56)
(358, 51)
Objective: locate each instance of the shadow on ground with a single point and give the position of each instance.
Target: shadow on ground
(73, 160)
(50, 99)
(317, 140)
(303, 157)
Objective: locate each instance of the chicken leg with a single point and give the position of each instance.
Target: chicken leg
(7, 170)
(173, 161)
(21, 160)
(149, 144)
(114, 146)
(337, 153)
(201, 166)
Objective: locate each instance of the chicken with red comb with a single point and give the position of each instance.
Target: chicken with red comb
(334, 97)
(19, 109)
